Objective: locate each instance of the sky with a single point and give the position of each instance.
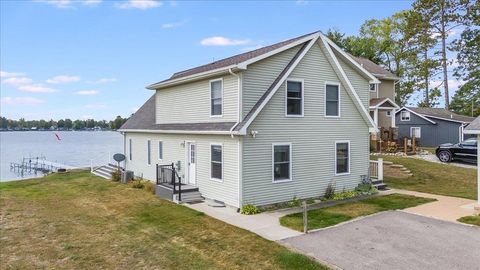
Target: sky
(93, 58)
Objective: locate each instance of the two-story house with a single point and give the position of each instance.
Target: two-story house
(262, 127)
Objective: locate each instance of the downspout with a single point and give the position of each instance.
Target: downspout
(238, 101)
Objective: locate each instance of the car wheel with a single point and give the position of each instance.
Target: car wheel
(444, 156)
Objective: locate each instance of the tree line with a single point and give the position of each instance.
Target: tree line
(62, 124)
(414, 45)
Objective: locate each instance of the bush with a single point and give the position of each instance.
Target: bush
(249, 209)
(329, 192)
(116, 176)
(345, 195)
(149, 187)
(136, 184)
(310, 200)
(295, 202)
(366, 189)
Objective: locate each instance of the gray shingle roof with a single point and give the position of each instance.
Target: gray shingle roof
(441, 113)
(376, 70)
(233, 60)
(475, 125)
(144, 119)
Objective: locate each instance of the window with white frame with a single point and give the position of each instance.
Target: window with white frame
(130, 149)
(416, 132)
(405, 116)
(294, 98)
(282, 162)
(373, 87)
(332, 100)
(216, 159)
(216, 97)
(342, 157)
(388, 113)
(160, 150)
(149, 152)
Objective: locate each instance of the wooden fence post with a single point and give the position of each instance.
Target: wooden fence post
(305, 217)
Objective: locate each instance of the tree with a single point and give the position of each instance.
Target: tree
(357, 46)
(68, 124)
(78, 124)
(90, 123)
(442, 16)
(61, 123)
(3, 122)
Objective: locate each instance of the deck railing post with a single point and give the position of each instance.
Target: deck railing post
(380, 169)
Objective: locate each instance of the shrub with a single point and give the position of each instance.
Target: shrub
(149, 187)
(136, 184)
(329, 192)
(294, 202)
(345, 195)
(249, 209)
(364, 188)
(310, 200)
(116, 176)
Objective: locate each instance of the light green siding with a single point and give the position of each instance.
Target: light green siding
(359, 83)
(312, 136)
(173, 151)
(190, 103)
(259, 76)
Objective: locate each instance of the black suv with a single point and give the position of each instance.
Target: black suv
(465, 151)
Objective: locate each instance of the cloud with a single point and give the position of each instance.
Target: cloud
(95, 106)
(63, 79)
(104, 80)
(56, 3)
(26, 101)
(91, 3)
(4, 74)
(223, 41)
(17, 81)
(174, 25)
(36, 88)
(87, 92)
(139, 4)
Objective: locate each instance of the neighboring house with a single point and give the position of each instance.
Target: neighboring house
(474, 130)
(431, 126)
(261, 127)
(382, 100)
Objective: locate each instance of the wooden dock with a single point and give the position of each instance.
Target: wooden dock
(36, 165)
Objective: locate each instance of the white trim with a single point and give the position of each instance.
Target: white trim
(349, 157)
(325, 100)
(210, 163)
(446, 119)
(350, 90)
(210, 87)
(405, 118)
(471, 131)
(290, 165)
(395, 106)
(240, 172)
(186, 169)
(303, 97)
(149, 151)
(180, 132)
(411, 111)
(372, 78)
(419, 131)
(388, 113)
(243, 130)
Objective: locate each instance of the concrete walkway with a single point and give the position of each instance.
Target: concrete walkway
(267, 225)
(445, 208)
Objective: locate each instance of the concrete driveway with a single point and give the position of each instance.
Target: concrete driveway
(394, 240)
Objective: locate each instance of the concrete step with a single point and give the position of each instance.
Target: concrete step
(381, 186)
(406, 171)
(189, 197)
(102, 174)
(397, 166)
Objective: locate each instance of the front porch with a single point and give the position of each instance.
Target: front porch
(382, 111)
(171, 187)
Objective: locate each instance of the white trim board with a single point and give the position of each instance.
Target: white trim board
(417, 114)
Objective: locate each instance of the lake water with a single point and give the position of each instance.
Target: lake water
(76, 148)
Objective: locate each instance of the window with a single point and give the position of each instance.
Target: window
(388, 113)
(149, 153)
(216, 160)
(405, 116)
(373, 87)
(294, 98)
(332, 100)
(130, 149)
(160, 150)
(282, 164)
(415, 132)
(469, 143)
(342, 152)
(216, 97)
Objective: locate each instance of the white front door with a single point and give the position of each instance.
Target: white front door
(192, 163)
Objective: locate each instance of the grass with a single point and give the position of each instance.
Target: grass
(474, 220)
(79, 221)
(329, 216)
(435, 178)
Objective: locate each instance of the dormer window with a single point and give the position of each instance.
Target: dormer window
(374, 87)
(216, 97)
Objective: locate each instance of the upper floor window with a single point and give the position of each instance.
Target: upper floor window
(373, 87)
(216, 97)
(405, 116)
(332, 100)
(294, 97)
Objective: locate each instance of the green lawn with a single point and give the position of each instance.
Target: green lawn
(325, 217)
(474, 220)
(79, 221)
(435, 178)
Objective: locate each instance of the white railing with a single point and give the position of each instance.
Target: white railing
(103, 159)
(376, 169)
